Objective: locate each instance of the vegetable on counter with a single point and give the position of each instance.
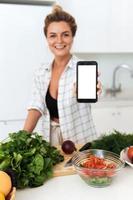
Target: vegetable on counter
(12, 175)
(130, 154)
(30, 157)
(114, 141)
(2, 197)
(5, 184)
(68, 147)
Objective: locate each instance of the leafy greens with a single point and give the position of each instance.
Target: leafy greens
(31, 158)
(114, 141)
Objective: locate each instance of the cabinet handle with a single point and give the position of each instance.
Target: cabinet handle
(116, 113)
(113, 113)
(5, 121)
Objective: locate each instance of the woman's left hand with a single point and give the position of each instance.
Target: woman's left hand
(99, 88)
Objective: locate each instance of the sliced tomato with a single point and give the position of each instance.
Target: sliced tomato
(110, 173)
(98, 173)
(95, 162)
(85, 172)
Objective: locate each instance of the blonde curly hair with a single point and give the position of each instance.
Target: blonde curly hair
(57, 15)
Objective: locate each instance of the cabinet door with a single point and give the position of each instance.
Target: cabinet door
(103, 26)
(22, 49)
(121, 26)
(105, 119)
(93, 19)
(125, 119)
(7, 127)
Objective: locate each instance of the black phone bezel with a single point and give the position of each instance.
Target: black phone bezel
(86, 63)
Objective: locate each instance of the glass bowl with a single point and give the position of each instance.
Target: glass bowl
(97, 167)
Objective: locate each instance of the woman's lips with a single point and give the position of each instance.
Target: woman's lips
(60, 46)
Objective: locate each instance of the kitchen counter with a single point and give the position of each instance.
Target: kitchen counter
(112, 102)
(120, 100)
(72, 187)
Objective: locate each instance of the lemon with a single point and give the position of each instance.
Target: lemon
(5, 183)
(2, 197)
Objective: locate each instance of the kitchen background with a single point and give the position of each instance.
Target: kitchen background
(105, 34)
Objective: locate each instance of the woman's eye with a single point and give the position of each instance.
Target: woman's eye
(52, 36)
(66, 34)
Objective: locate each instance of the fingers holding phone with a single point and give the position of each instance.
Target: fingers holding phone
(99, 88)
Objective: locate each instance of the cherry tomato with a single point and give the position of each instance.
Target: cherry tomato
(130, 153)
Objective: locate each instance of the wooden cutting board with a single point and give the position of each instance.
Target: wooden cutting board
(60, 169)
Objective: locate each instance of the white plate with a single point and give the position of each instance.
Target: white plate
(124, 157)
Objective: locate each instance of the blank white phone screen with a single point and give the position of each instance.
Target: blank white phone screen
(86, 81)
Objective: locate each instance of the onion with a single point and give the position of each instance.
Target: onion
(68, 147)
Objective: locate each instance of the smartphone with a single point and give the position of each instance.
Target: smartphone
(86, 73)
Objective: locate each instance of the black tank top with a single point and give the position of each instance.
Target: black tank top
(52, 105)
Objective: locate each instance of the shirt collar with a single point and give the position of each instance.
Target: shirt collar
(47, 66)
(71, 63)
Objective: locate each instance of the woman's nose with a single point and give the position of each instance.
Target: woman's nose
(59, 39)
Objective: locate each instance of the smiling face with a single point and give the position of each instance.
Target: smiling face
(59, 38)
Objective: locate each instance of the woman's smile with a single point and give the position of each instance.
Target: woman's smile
(60, 46)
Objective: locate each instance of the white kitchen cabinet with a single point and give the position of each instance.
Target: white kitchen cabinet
(93, 19)
(121, 27)
(108, 118)
(22, 49)
(7, 127)
(103, 26)
(125, 119)
(10, 126)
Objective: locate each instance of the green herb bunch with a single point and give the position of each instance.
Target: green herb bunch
(114, 141)
(30, 157)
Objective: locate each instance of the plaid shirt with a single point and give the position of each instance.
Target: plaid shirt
(75, 118)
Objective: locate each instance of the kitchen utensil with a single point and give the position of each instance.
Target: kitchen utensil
(124, 157)
(84, 147)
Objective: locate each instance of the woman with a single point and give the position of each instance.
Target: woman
(53, 94)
